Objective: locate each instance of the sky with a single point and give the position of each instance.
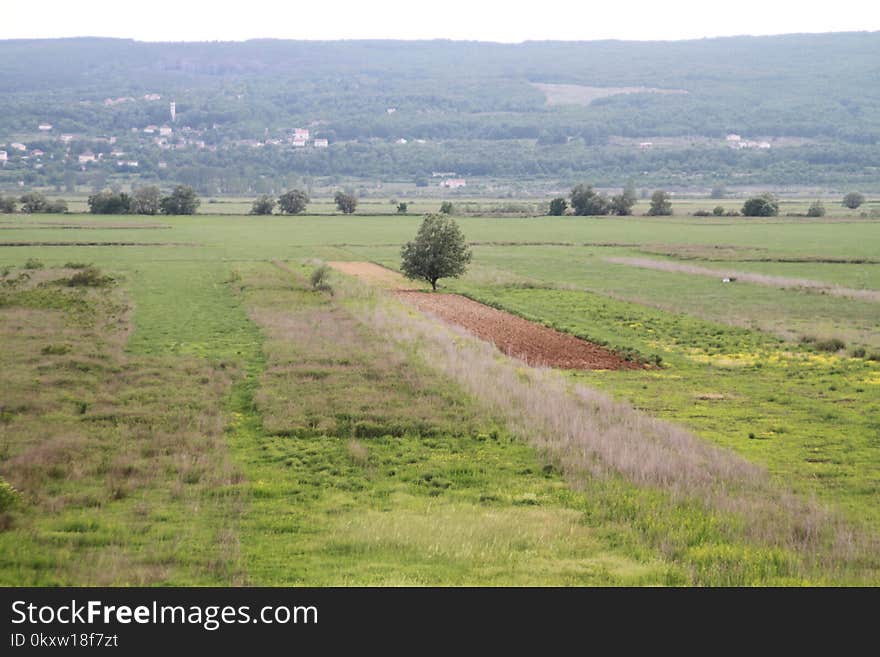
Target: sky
(508, 21)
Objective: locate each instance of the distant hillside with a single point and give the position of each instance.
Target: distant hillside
(402, 110)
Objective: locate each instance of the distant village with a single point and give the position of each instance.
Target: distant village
(100, 150)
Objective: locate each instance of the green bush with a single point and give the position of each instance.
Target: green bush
(830, 345)
(319, 277)
(88, 277)
(8, 495)
(33, 263)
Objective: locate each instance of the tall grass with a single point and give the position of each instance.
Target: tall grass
(587, 435)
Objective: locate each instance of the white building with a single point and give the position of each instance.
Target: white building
(4, 156)
(165, 131)
(301, 133)
(299, 143)
(454, 183)
(87, 157)
(66, 138)
(44, 127)
(321, 143)
(17, 146)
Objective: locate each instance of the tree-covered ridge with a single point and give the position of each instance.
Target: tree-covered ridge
(819, 92)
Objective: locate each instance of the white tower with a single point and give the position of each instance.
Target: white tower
(173, 107)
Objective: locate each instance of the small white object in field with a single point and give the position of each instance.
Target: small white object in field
(725, 280)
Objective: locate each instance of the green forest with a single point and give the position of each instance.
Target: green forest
(806, 110)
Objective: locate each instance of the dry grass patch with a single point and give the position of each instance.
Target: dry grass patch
(113, 455)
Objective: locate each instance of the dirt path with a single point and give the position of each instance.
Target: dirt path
(373, 274)
(751, 277)
(515, 336)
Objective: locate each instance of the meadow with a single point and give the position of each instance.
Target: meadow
(203, 416)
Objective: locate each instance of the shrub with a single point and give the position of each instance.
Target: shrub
(8, 495)
(33, 263)
(58, 206)
(829, 345)
(718, 211)
(265, 204)
(557, 207)
(702, 213)
(402, 208)
(88, 277)
(817, 209)
(318, 279)
(446, 207)
(55, 350)
(858, 352)
(75, 265)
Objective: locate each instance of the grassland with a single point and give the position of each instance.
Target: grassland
(206, 418)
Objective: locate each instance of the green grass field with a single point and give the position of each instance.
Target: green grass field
(206, 418)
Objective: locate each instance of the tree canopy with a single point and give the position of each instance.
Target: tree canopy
(345, 202)
(293, 201)
(765, 205)
(439, 250)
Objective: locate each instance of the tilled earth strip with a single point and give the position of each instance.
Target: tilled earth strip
(533, 343)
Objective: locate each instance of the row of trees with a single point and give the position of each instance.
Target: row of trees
(586, 201)
(296, 200)
(145, 200)
(31, 203)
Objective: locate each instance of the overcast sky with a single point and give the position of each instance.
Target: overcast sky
(493, 20)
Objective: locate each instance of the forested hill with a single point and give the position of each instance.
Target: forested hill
(807, 108)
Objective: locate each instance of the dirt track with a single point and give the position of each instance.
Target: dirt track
(515, 336)
(372, 273)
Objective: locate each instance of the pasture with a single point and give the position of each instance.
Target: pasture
(205, 417)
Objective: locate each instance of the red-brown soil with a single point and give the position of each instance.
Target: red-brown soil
(515, 336)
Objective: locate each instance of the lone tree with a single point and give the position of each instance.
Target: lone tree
(558, 207)
(345, 202)
(438, 251)
(145, 200)
(622, 204)
(446, 207)
(585, 201)
(853, 200)
(33, 202)
(265, 204)
(765, 205)
(293, 201)
(661, 206)
(183, 200)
